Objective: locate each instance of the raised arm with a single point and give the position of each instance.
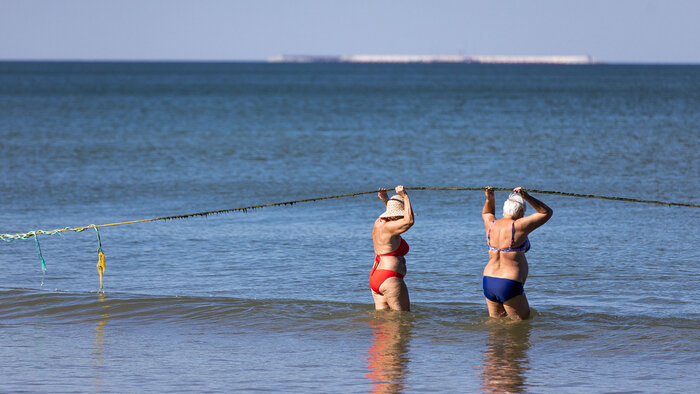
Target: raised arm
(531, 222)
(489, 211)
(382, 195)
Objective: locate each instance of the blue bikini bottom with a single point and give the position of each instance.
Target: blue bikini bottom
(501, 290)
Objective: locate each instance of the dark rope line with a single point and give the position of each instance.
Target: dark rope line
(9, 237)
(679, 204)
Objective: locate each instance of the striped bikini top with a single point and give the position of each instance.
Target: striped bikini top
(522, 248)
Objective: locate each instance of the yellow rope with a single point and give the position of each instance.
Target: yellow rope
(9, 237)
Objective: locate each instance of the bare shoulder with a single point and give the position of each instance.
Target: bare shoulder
(377, 227)
(488, 218)
(381, 227)
(532, 221)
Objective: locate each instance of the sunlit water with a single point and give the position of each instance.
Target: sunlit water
(277, 298)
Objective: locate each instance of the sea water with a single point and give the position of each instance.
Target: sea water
(277, 298)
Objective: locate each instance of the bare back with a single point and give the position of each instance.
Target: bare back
(386, 241)
(502, 264)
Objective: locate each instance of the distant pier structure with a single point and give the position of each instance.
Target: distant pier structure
(486, 59)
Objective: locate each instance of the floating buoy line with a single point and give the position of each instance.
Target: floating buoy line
(101, 257)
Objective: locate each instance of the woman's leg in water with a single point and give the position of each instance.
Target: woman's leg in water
(396, 294)
(518, 307)
(495, 308)
(379, 301)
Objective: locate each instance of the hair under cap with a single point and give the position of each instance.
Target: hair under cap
(514, 204)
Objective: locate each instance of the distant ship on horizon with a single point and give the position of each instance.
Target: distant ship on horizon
(477, 59)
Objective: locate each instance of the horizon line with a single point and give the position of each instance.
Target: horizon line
(267, 61)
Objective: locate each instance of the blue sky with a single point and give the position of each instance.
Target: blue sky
(665, 31)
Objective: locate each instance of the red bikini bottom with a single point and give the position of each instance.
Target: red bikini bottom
(377, 277)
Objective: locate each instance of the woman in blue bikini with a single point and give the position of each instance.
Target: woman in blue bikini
(506, 271)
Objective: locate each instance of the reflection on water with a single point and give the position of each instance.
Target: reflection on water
(505, 358)
(98, 350)
(387, 359)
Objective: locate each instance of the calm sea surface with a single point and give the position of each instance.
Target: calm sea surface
(277, 298)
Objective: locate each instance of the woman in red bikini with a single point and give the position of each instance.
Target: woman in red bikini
(386, 278)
